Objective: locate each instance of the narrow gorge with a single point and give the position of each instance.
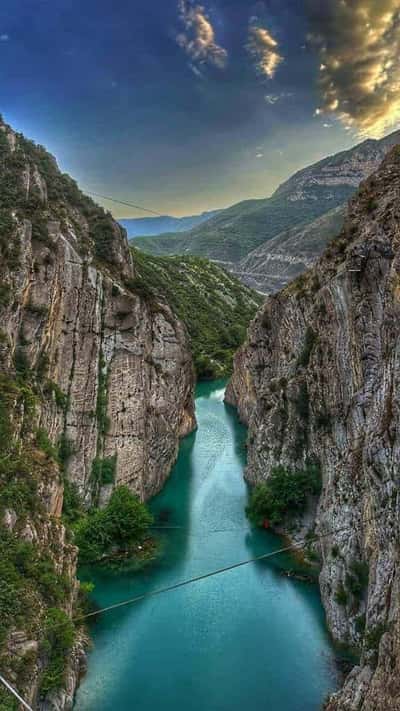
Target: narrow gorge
(100, 349)
(317, 382)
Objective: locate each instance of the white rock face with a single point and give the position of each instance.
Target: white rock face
(319, 379)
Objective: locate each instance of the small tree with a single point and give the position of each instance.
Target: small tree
(123, 523)
(284, 493)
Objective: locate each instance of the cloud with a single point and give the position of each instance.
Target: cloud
(4, 38)
(198, 36)
(264, 49)
(358, 42)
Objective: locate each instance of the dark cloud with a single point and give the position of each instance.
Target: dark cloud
(359, 46)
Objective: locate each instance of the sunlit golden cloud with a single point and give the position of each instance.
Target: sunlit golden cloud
(264, 49)
(198, 36)
(359, 75)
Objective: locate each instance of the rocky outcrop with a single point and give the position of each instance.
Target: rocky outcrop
(318, 379)
(93, 371)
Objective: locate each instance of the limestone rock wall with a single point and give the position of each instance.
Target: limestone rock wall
(319, 379)
(119, 360)
(108, 367)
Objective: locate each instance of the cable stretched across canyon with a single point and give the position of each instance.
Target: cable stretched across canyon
(183, 583)
(123, 202)
(219, 571)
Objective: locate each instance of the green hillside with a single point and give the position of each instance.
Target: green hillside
(215, 307)
(310, 193)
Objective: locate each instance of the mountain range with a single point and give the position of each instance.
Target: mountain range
(268, 242)
(153, 226)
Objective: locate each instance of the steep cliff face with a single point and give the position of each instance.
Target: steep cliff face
(115, 367)
(319, 380)
(93, 374)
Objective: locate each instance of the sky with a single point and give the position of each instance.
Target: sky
(184, 106)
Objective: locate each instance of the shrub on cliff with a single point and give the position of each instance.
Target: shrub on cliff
(283, 494)
(58, 641)
(118, 527)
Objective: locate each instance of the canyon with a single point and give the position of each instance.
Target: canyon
(97, 374)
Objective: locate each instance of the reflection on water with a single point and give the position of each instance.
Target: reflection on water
(248, 638)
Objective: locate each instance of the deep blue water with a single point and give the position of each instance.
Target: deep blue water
(247, 639)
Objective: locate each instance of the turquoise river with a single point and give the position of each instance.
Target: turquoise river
(251, 638)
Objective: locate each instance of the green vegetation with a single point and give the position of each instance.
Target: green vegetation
(214, 306)
(103, 470)
(115, 530)
(27, 581)
(102, 397)
(357, 579)
(66, 449)
(302, 402)
(58, 641)
(341, 595)
(64, 196)
(360, 624)
(283, 495)
(31, 589)
(234, 233)
(373, 637)
(45, 444)
(73, 509)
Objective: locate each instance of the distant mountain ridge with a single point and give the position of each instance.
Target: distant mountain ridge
(260, 227)
(151, 226)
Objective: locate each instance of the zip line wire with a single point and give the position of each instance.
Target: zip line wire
(15, 693)
(122, 202)
(190, 581)
(219, 571)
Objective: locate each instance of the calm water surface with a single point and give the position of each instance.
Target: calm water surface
(248, 639)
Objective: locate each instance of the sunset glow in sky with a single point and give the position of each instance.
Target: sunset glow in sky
(188, 106)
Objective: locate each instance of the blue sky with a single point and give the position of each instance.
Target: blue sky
(184, 106)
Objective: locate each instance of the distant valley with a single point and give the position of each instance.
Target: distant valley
(153, 226)
(266, 243)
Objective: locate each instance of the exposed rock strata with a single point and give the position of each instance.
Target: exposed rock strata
(111, 369)
(319, 379)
